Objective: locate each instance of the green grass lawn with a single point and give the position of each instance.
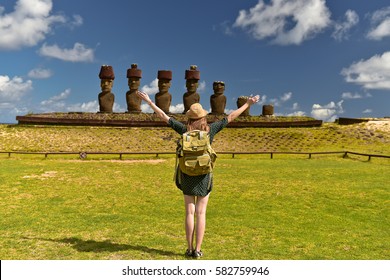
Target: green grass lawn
(289, 207)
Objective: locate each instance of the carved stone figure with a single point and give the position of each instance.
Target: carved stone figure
(268, 110)
(163, 98)
(218, 100)
(134, 76)
(106, 97)
(241, 101)
(192, 77)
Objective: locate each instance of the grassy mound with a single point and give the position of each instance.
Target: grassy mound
(329, 137)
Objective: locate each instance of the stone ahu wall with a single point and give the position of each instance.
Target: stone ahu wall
(163, 97)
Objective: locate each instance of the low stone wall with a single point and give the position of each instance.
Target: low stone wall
(346, 121)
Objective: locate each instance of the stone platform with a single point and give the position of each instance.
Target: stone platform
(151, 120)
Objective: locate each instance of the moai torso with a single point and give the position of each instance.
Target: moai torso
(218, 99)
(190, 98)
(106, 102)
(133, 101)
(163, 98)
(240, 102)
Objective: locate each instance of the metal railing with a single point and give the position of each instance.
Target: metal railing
(84, 155)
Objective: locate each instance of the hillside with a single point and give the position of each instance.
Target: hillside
(373, 137)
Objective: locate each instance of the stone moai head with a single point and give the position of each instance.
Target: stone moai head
(107, 77)
(218, 99)
(164, 80)
(134, 76)
(219, 87)
(192, 77)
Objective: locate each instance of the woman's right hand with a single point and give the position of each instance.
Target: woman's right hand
(160, 113)
(144, 96)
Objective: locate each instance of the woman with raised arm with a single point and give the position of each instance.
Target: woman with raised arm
(196, 189)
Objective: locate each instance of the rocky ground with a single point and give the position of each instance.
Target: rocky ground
(378, 125)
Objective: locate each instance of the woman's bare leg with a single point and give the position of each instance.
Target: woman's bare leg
(189, 202)
(200, 210)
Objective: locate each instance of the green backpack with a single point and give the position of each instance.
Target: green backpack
(194, 153)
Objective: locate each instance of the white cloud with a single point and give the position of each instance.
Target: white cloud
(295, 111)
(57, 101)
(145, 108)
(329, 112)
(285, 21)
(174, 109)
(287, 96)
(12, 94)
(118, 108)
(13, 90)
(177, 109)
(341, 29)
(79, 53)
(202, 86)
(91, 106)
(152, 88)
(380, 24)
(350, 95)
(77, 21)
(279, 101)
(297, 114)
(367, 111)
(225, 27)
(373, 73)
(263, 99)
(27, 25)
(40, 73)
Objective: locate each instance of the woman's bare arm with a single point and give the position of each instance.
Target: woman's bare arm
(249, 102)
(160, 113)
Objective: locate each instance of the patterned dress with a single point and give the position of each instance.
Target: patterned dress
(197, 185)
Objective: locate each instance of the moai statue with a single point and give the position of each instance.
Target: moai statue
(218, 100)
(191, 96)
(268, 110)
(163, 98)
(240, 102)
(134, 76)
(106, 97)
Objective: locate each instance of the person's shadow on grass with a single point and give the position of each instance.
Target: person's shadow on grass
(107, 246)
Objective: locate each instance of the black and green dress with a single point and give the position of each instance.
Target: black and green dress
(203, 184)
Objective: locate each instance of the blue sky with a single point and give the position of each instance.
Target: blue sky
(324, 59)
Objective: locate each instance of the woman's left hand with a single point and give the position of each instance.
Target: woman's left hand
(253, 99)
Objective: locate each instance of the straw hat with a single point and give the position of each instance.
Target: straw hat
(196, 111)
